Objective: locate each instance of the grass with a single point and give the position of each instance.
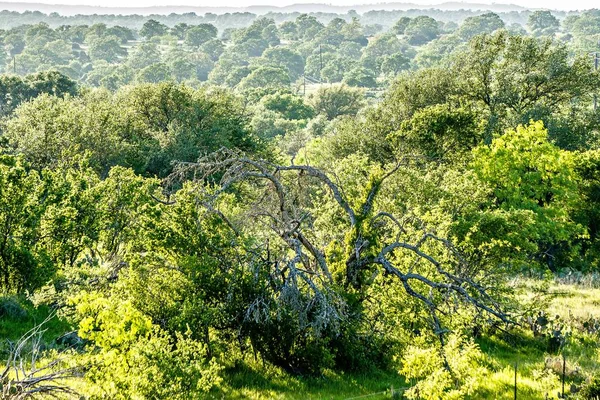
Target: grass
(253, 381)
(250, 379)
(18, 316)
(571, 304)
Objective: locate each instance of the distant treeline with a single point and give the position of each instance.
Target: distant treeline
(10, 19)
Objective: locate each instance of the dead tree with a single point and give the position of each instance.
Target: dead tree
(28, 376)
(280, 208)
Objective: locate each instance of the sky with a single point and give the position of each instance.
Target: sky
(551, 4)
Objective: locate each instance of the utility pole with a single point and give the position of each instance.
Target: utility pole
(515, 391)
(304, 76)
(14, 64)
(564, 365)
(320, 61)
(596, 58)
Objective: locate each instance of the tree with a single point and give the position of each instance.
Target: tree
(411, 93)
(14, 43)
(360, 77)
(439, 133)
(106, 48)
(337, 100)
(288, 105)
(348, 257)
(266, 77)
(214, 48)
(514, 75)
(354, 32)
(421, 30)
(181, 66)
(143, 127)
(289, 30)
(43, 54)
(531, 176)
(543, 23)
(198, 35)
(335, 68)
(15, 90)
(308, 26)
(400, 26)
(202, 65)
(437, 51)
(152, 28)
(179, 30)
(22, 265)
(138, 349)
(394, 64)
(143, 55)
(123, 33)
(484, 23)
(154, 73)
(384, 45)
(284, 57)
(351, 50)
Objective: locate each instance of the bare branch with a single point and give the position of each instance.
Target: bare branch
(24, 377)
(283, 212)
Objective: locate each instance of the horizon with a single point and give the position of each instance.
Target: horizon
(576, 5)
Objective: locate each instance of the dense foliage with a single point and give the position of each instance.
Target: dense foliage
(190, 193)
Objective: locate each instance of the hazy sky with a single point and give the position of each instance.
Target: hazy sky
(552, 4)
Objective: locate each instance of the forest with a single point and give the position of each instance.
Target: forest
(386, 205)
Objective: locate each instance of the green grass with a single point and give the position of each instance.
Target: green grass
(254, 381)
(570, 303)
(250, 379)
(18, 316)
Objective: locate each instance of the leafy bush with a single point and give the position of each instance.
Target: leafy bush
(463, 375)
(591, 391)
(133, 359)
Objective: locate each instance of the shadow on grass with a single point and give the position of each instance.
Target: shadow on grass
(252, 380)
(18, 316)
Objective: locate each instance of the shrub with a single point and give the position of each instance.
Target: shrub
(10, 308)
(591, 391)
(130, 358)
(463, 378)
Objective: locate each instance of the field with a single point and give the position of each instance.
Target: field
(538, 372)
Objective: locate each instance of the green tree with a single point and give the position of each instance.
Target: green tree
(15, 90)
(198, 35)
(23, 266)
(421, 30)
(214, 48)
(484, 23)
(152, 28)
(179, 30)
(543, 23)
(513, 75)
(135, 358)
(107, 48)
(154, 73)
(393, 64)
(439, 133)
(535, 179)
(400, 26)
(308, 26)
(284, 57)
(266, 77)
(360, 77)
(288, 105)
(143, 55)
(336, 100)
